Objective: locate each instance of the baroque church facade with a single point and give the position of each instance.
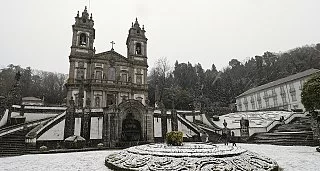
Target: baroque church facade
(107, 92)
(106, 78)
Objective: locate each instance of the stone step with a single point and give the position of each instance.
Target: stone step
(285, 138)
(291, 143)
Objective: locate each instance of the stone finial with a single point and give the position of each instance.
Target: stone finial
(136, 23)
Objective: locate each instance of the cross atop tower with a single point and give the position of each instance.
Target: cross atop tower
(112, 43)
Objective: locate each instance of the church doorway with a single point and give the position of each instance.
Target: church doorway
(131, 128)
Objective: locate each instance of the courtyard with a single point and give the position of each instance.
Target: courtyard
(292, 158)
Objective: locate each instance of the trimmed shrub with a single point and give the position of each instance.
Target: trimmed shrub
(43, 148)
(174, 138)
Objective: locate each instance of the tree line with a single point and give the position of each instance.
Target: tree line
(187, 86)
(35, 83)
(182, 86)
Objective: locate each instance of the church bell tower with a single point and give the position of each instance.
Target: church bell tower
(82, 51)
(137, 43)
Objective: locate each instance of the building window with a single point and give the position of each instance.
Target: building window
(284, 100)
(98, 75)
(97, 101)
(293, 96)
(260, 104)
(301, 84)
(282, 92)
(253, 106)
(239, 106)
(124, 77)
(83, 39)
(267, 103)
(112, 74)
(111, 99)
(246, 106)
(274, 92)
(292, 89)
(275, 101)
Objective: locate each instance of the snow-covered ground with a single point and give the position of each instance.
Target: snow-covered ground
(291, 158)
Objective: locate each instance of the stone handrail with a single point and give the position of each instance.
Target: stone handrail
(14, 128)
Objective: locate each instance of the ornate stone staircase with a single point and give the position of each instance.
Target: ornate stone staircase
(12, 138)
(13, 144)
(298, 132)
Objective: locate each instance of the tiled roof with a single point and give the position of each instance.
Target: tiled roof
(280, 81)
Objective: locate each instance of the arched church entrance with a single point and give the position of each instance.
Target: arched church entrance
(131, 128)
(132, 118)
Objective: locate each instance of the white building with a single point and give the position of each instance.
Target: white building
(284, 94)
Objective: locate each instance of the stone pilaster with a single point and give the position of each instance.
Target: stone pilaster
(69, 120)
(106, 128)
(85, 123)
(150, 126)
(164, 128)
(174, 120)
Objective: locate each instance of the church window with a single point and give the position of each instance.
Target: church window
(138, 48)
(124, 77)
(83, 39)
(98, 75)
(110, 99)
(112, 74)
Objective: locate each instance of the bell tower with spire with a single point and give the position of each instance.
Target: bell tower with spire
(82, 51)
(137, 43)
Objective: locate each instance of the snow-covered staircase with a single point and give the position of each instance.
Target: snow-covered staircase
(13, 144)
(297, 132)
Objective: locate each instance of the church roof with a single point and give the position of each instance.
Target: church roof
(280, 81)
(111, 54)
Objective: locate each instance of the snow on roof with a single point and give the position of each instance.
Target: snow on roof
(280, 81)
(256, 119)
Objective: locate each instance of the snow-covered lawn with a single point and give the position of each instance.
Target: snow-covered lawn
(291, 158)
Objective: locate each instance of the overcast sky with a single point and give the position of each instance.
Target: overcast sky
(37, 33)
